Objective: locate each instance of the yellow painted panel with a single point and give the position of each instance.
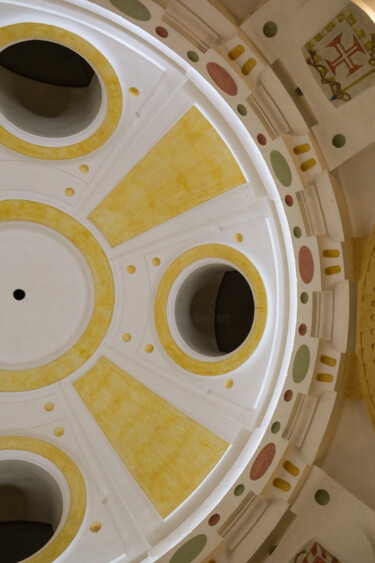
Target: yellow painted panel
(190, 165)
(167, 452)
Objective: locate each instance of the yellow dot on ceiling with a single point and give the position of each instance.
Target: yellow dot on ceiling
(49, 406)
(69, 192)
(229, 383)
(127, 337)
(84, 168)
(133, 91)
(59, 431)
(156, 261)
(149, 348)
(239, 237)
(131, 269)
(95, 526)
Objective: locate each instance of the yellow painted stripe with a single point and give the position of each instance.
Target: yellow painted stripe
(291, 468)
(248, 66)
(190, 165)
(308, 164)
(300, 149)
(332, 270)
(324, 377)
(236, 52)
(331, 253)
(281, 484)
(328, 361)
(167, 452)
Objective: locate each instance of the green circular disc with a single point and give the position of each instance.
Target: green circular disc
(322, 497)
(242, 110)
(193, 56)
(239, 490)
(339, 140)
(275, 427)
(270, 29)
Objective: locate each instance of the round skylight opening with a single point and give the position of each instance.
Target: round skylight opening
(31, 508)
(47, 89)
(214, 310)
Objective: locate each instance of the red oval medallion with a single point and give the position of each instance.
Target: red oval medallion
(161, 31)
(306, 264)
(262, 461)
(222, 78)
(214, 519)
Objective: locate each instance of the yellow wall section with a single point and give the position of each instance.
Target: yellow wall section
(191, 164)
(167, 453)
(366, 325)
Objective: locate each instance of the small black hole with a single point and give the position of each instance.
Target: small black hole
(19, 294)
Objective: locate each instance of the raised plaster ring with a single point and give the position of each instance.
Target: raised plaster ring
(92, 137)
(55, 274)
(164, 302)
(74, 498)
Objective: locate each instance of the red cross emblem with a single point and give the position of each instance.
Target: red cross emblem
(345, 56)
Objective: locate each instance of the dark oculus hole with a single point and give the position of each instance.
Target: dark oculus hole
(19, 294)
(31, 507)
(47, 62)
(234, 312)
(20, 540)
(47, 89)
(215, 310)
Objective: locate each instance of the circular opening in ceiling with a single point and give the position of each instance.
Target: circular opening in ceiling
(19, 294)
(31, 508)
(47, 89)
(214, 310)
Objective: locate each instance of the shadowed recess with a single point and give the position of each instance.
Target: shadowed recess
(47, 62)
(19, 540)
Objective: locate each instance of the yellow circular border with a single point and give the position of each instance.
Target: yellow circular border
(252, 275)
(24, 31)
(34, 378)
(77, 488)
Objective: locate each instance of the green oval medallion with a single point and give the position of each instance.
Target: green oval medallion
(189, 550)
(281, 168)
(301, 363)
(132, 8)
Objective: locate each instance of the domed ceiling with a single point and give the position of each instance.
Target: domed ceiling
(174, 289)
